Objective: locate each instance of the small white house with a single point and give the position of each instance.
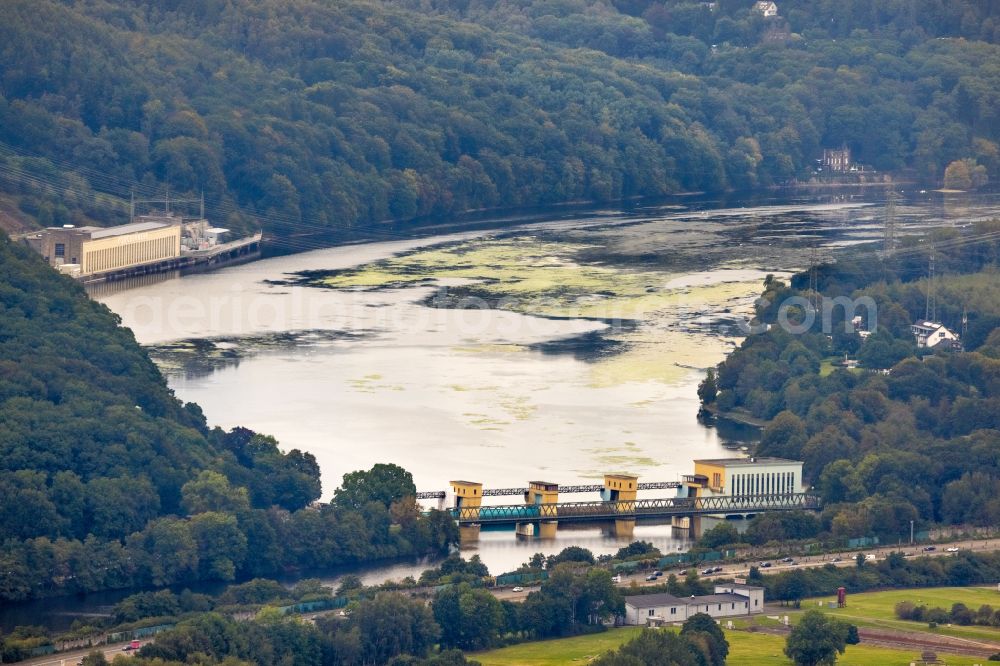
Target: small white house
(728, 601)
(934, 335)
(755, 594)
(766, 8)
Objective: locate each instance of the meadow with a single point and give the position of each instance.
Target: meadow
(877, 609)
(745, 649)
(872, 609)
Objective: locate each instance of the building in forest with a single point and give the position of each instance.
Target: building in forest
(934, 335)
(766, 8)
(837, 159)
(83, 251)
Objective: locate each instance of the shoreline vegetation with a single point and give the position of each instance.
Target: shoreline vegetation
(308, 116)
(455, 596)
(911, 436)
(209, 497)
(737, 416)
(317, 117)
(107, 481)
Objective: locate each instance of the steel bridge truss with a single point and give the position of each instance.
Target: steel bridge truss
(642, 508)
(594, 488)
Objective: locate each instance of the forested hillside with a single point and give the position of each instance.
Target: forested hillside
(911, 434)
(108, 481)
(322, 114)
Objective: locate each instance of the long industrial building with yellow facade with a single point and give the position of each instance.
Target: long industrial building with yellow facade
(87, 251)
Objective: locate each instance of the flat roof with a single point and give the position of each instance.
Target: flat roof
(664, 599)
(715, 598)
(466, 483)
(621, 476)
(132, 228)
(547, 484)
(75, 229)
(651, 600)
(737, 462)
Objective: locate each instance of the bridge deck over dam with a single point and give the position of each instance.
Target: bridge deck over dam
(632, 509)
(587, 488)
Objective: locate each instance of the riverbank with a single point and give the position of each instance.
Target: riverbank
(736, 416)
(357, 375)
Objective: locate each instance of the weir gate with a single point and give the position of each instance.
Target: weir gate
(541, 510)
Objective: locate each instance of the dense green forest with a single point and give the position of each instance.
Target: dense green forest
(312, 114)
(430, 622)
(108, 481)
(911, 434)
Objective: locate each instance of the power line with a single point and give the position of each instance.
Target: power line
(107, 188)
(930, 308)
(889, 232)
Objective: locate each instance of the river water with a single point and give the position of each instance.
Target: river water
(557, 350)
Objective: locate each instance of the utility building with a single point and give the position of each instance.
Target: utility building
(728, 601)
(745, 479)
(82, 251)
(743, 476)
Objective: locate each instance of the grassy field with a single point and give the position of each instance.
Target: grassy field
(748, 649)
(745, 649)
(579, 650)
(826, 366)
(877, 609)
(871, 609)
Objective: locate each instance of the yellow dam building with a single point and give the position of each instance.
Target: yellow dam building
(83, 251)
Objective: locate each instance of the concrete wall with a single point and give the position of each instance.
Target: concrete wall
(754, 594)
(70, 239)
(746, 478)
(721, 608)
(639, 616)
(681, 612)
(765, 479)
(127, 250)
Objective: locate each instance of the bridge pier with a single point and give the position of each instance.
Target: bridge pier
(468, 497)
(537, 494)
(624, 528)
(468, 534)
(688, 525)
(696, 529)
(621, 488)
(539, 529)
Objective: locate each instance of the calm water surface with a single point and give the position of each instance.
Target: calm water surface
(359, 377)
(364, 376)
